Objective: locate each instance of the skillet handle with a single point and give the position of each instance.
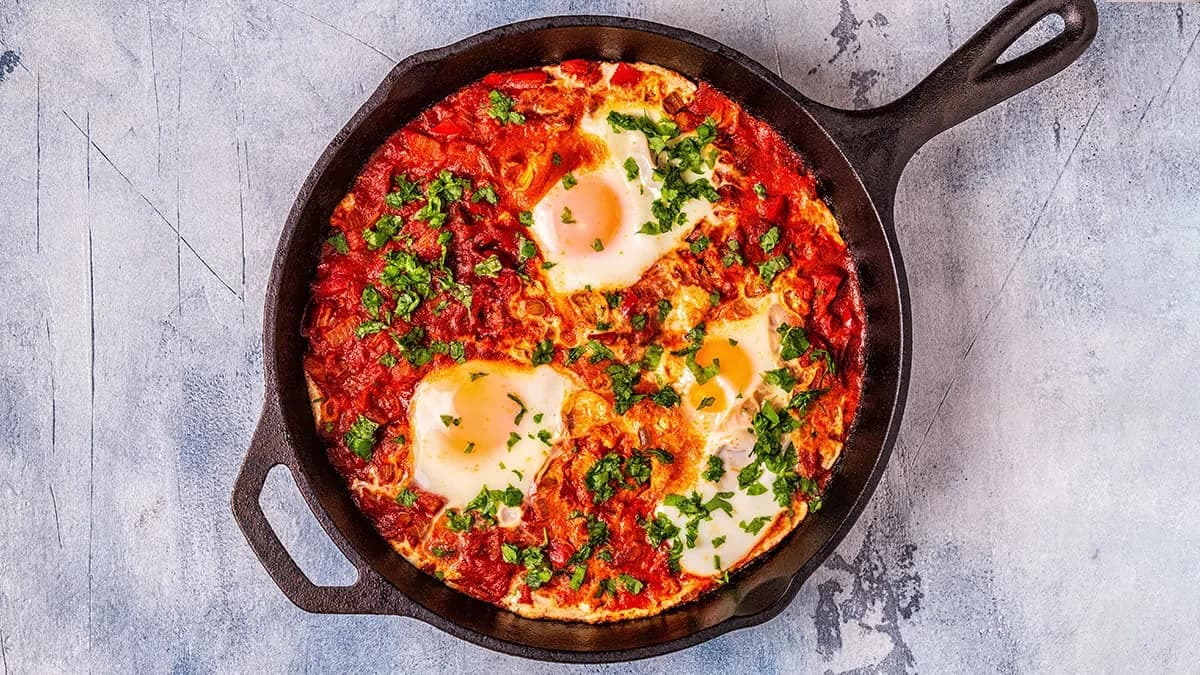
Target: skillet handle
(369, 593)
(880, 141)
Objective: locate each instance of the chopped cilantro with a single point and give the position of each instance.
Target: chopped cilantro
(525, 218)
(569, 181)
(631, 584)
(597, 245)
(457, 521)
(385, 228)
(406, 498)
(566, 216)
(487, 194)
(733, 254)
(601, 477)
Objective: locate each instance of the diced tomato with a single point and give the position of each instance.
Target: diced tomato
(576, 67)
(625, 74)
(525, 79)
(775, 208)
(448, 127)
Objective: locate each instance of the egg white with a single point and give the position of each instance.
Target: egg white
(727, 436)
(630, 253)
(443, 468)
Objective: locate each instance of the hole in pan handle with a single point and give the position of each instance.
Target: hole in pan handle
(268, 449)
(880, 141)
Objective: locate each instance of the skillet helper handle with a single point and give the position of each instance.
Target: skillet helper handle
(268, 449)
(881, 140)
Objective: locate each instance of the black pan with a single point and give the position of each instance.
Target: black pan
(858, 156)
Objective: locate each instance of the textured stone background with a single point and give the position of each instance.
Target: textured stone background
(1039, 513)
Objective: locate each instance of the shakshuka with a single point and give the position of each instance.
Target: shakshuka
(585, 340)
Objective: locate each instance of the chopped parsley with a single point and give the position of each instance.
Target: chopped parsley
(372, 300)
(760, 190)
(577, 577)
(406, 498)
(513, 439)
(526, 249)
(664, 308)
(369, 328)
(569, 181)
(597, 245)
(338, 242)
(385, 228)
(700, 244)
(733, 253)
(457, 521)
(631, 169)
(510, 553)
(537, 567)
(770, 239)
(360, 437)
(487, 194)
(600, 479)
(638, 321)
(442, 190)
(772, 267)
(520, 413)
(792, 341)
(500, 108)
(488, 502)
(489, 267)
(781, 377)
(715, 469)
(567, 217)
(543, 353)
(631, 584)
(756, 525)
(406, 191)
(525, 218)
(387, 359)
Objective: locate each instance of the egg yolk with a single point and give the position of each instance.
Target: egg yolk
(481, 419)
(595, 211)
(735, 372)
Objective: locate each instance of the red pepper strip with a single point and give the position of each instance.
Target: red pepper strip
(448, 127)
(625, 74)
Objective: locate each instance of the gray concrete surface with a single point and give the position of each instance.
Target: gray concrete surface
(1039, 514)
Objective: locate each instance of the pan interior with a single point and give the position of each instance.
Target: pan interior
(755, 594)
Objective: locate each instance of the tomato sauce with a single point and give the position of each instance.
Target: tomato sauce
(362, 376)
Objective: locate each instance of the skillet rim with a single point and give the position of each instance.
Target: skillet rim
(284, 264)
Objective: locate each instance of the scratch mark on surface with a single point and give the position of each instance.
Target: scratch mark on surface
(949, 26)
(3, 652)
(57, 525)
(339, 31)
(774, 38)
(53, 393)
(91, 378)
(178, 164)
(1182, 61)
(1145, 109)
(1057, 134)
(154, 80)
(845, 32)
(239, 117)
(37, 202)
(166, 221)
(1007, 277)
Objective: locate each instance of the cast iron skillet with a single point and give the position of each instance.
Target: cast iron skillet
(858, 156)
